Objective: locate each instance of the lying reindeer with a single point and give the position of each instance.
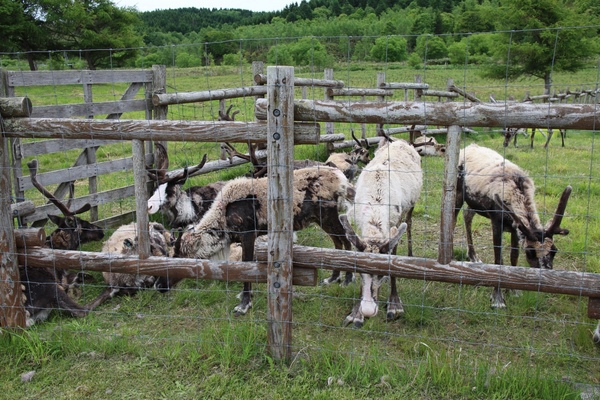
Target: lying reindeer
(45, 289)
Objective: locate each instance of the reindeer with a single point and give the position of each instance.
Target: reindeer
(386, 193)
(46, 289)
(345, 162)
(501, 191)
(182, 207)
(239, 214)
(125, 241)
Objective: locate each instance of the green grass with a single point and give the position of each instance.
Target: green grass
(448, 345)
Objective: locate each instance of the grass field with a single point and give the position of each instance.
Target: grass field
(449, 344)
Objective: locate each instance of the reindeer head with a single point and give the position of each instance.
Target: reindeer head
(71, 230)
(360, 152)
(168, 186)
(538, 244)
(373, 245)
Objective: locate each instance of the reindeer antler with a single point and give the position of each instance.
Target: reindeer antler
(33, 166)
(159, 174)
(553, 226)
(427, 143)
(225, 116)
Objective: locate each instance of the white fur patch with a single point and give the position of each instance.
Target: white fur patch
(157, 199)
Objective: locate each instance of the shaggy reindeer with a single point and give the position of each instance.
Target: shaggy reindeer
(386, 193)
(46, 289)
(501, 191)
(125, 241)
(345, 162)
(182, 207)
(239, 214)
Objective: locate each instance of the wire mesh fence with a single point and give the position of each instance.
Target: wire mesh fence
(443, 324)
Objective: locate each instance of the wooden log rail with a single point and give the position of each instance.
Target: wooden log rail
(179, 268)
(584, 284)
(261, 79)
(563, 116)
(165, 99)
(15, 107)
(158, 130)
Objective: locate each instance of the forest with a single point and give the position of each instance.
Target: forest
(542, 35)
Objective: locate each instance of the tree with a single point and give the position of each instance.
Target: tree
(536, 44)
(22, 27)
(90, 25)
(389, 49)
(431, 47)
(46, 25)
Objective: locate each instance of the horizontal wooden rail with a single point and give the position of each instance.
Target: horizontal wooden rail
(165, 130)
(477, 274)
(179, 268)
(261, 79)
(565, 116)
(164, 99)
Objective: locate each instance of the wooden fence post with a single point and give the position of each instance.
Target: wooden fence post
(12, 313)
(280, 156)
(446, 249)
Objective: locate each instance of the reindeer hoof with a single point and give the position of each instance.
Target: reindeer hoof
(358, 324)
(242, 309)
(330, 280)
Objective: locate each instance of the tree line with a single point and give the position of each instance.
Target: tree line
(508, 38)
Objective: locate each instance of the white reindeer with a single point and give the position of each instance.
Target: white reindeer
(386, 193)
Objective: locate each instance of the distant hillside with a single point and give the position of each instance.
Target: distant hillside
(186, 20)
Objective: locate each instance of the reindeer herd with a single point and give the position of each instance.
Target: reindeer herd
(369, 209)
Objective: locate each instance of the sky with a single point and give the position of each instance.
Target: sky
(252, 5)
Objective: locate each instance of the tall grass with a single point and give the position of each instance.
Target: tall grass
(448, 345)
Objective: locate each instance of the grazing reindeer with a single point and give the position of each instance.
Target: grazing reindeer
(512, 133)
(125, 241)
(182, 207)
(501, 191)
(46, 289)
(239, 214)
(386, 193)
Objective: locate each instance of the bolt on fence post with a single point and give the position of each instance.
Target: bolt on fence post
(280, 156)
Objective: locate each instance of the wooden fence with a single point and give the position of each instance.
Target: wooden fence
(280, 264)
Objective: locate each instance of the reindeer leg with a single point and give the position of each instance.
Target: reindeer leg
(468, 215)
(497, 300)
(408, 232)
(394, 305)
(514, 257)
(246, 295)
(245, 301)
(365, 302)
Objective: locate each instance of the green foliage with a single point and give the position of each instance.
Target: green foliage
(536, 51)
(431, 47)
(415, 61)
(306, 51)
(389, 49)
